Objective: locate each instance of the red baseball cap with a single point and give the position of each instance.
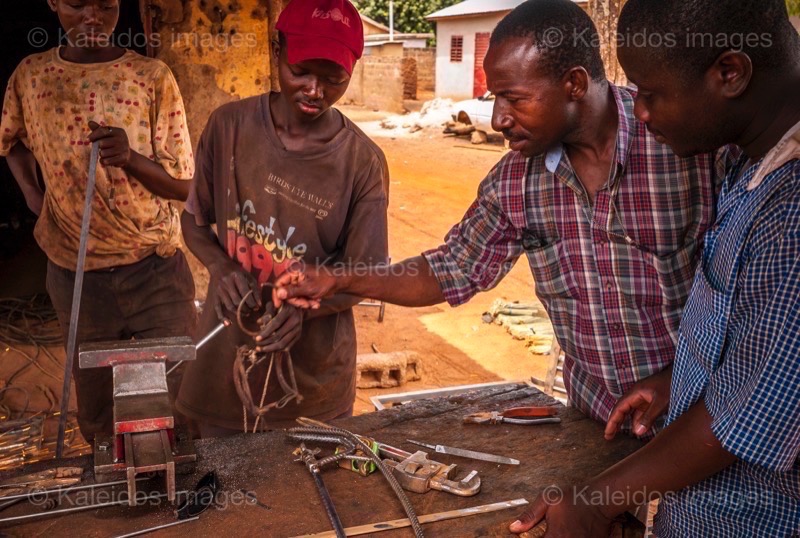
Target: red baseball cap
(322, 30)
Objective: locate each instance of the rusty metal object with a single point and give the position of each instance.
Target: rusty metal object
(309, 458)
(351, 442)
(419, 474)
(103, 354)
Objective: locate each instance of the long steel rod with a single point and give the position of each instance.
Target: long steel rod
(76, 299)
(158, 528)
(68, 489)
(327, 503)
(429, 518)
(81, 508)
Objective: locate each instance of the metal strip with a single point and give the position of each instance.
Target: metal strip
(51, 513)
(430, 518)
(158, 528)
(76, 299)
(380, 400)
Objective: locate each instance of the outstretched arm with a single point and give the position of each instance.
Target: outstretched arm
(408, 283)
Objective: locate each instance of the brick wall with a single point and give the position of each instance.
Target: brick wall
(426, 67)
(409, 78)
(377, 83)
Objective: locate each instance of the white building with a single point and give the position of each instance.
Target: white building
(462, 39)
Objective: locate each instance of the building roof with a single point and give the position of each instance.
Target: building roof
(470, 8)
(374, 23)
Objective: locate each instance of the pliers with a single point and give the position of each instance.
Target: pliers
(516, 415)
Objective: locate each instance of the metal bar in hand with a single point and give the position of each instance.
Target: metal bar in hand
(76, 299)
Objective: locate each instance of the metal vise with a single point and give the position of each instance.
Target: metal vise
(144, 439)
(419, 474)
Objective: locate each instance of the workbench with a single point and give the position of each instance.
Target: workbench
(288, 501)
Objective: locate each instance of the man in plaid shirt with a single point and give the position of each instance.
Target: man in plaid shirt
(610, 219)
(728, 463)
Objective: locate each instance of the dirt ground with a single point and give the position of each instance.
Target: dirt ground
(433, 180)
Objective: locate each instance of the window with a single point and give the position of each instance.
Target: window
(456, 48)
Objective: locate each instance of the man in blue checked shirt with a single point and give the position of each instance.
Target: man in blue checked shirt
(710, 73)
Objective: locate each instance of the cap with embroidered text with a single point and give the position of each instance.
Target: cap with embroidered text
(322, 30)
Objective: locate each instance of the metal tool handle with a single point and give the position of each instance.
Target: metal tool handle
(204, 340)
(76, 299)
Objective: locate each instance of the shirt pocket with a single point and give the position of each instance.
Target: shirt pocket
(553, 275)
(667, 279)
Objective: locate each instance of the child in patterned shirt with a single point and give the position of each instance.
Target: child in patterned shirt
(137, 282)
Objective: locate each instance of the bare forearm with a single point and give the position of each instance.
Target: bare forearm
(155, 179)
(684, 454)
(408, 283)
(22, 163)
(203, 243)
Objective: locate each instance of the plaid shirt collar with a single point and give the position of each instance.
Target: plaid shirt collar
(626, 127)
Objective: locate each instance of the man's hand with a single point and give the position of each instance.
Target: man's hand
(564, 516)
(647, 400)
(115, 149)
(233, 285)
(280, 331)
(304, 290)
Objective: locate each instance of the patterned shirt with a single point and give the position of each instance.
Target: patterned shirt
(48, 104)
(613, 276)
(739, 353)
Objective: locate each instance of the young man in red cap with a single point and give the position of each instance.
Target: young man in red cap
(286, 179)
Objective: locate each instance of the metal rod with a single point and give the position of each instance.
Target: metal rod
(68, 489)
(81, 508)
(327, 503)
(158, 528)
(76, 299)
(429, 518)
(206, 339)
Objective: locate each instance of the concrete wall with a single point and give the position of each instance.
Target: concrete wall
(426, 67)
(218, 51)
(455, 79)
(377, 83)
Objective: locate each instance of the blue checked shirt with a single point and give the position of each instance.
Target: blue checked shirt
(739, 354)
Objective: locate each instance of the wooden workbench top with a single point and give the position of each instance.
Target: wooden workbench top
(559, 453)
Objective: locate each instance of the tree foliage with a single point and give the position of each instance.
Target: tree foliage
(793, 6)
(409, 15)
